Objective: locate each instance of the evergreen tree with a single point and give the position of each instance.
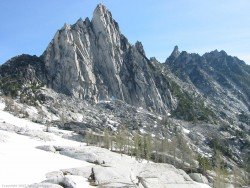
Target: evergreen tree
(147, 142)
(106, 139)
(156, 146)
(219, 181)
(204, 164)
(173, 148)
(62, 118)
(87, 138)
(138, 146)
(127, 142)
(166, 148)
(120, 140)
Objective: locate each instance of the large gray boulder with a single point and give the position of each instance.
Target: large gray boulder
(198, 178)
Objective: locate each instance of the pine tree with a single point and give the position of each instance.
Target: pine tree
(86, 138)
(147, 146)
(62, 118)
(106, 139)
(173, 148)
(120, 140)
(204, 164)
(136, 141)
(187, 154)
(138, 147)
(127, 142)
(167, 148)
(164, 143)
(156, 146)
(219, 181)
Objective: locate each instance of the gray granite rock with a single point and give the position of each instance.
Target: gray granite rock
(198, 178)
(94, 61)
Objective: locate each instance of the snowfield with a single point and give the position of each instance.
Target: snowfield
(31, 157)
(22, 163)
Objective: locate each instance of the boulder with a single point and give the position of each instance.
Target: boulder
(54, 174)
(48, 148)
(198, 178)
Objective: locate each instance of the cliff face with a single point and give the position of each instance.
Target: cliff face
(93, 60)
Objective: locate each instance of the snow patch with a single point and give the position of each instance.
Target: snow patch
(186, 130)
(143, 131)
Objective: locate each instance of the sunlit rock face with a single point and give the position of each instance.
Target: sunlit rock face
(92, 60)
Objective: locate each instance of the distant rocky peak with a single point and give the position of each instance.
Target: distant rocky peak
(175, 52)
(216, 54)
(101, 8)
(174, 55)
(103, 16)
(139, 47)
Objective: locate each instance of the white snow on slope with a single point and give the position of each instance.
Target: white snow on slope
(22, 163)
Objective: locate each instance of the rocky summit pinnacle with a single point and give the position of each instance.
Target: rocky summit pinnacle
(174, 54)
(103, 22)
(94, 61)
(101, 11)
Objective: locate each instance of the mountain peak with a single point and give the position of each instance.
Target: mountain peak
(175, 52)
(103, 17)
(216, 54)
(100, 6)
(101, 11)
(103, 22)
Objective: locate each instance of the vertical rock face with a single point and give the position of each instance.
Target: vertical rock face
(93, 60)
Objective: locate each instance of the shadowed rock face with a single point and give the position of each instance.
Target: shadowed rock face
(21, 72)
(93, 60)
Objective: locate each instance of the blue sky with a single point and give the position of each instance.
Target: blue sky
(27, 26)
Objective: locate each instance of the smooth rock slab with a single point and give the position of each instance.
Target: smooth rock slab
(198, 178)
